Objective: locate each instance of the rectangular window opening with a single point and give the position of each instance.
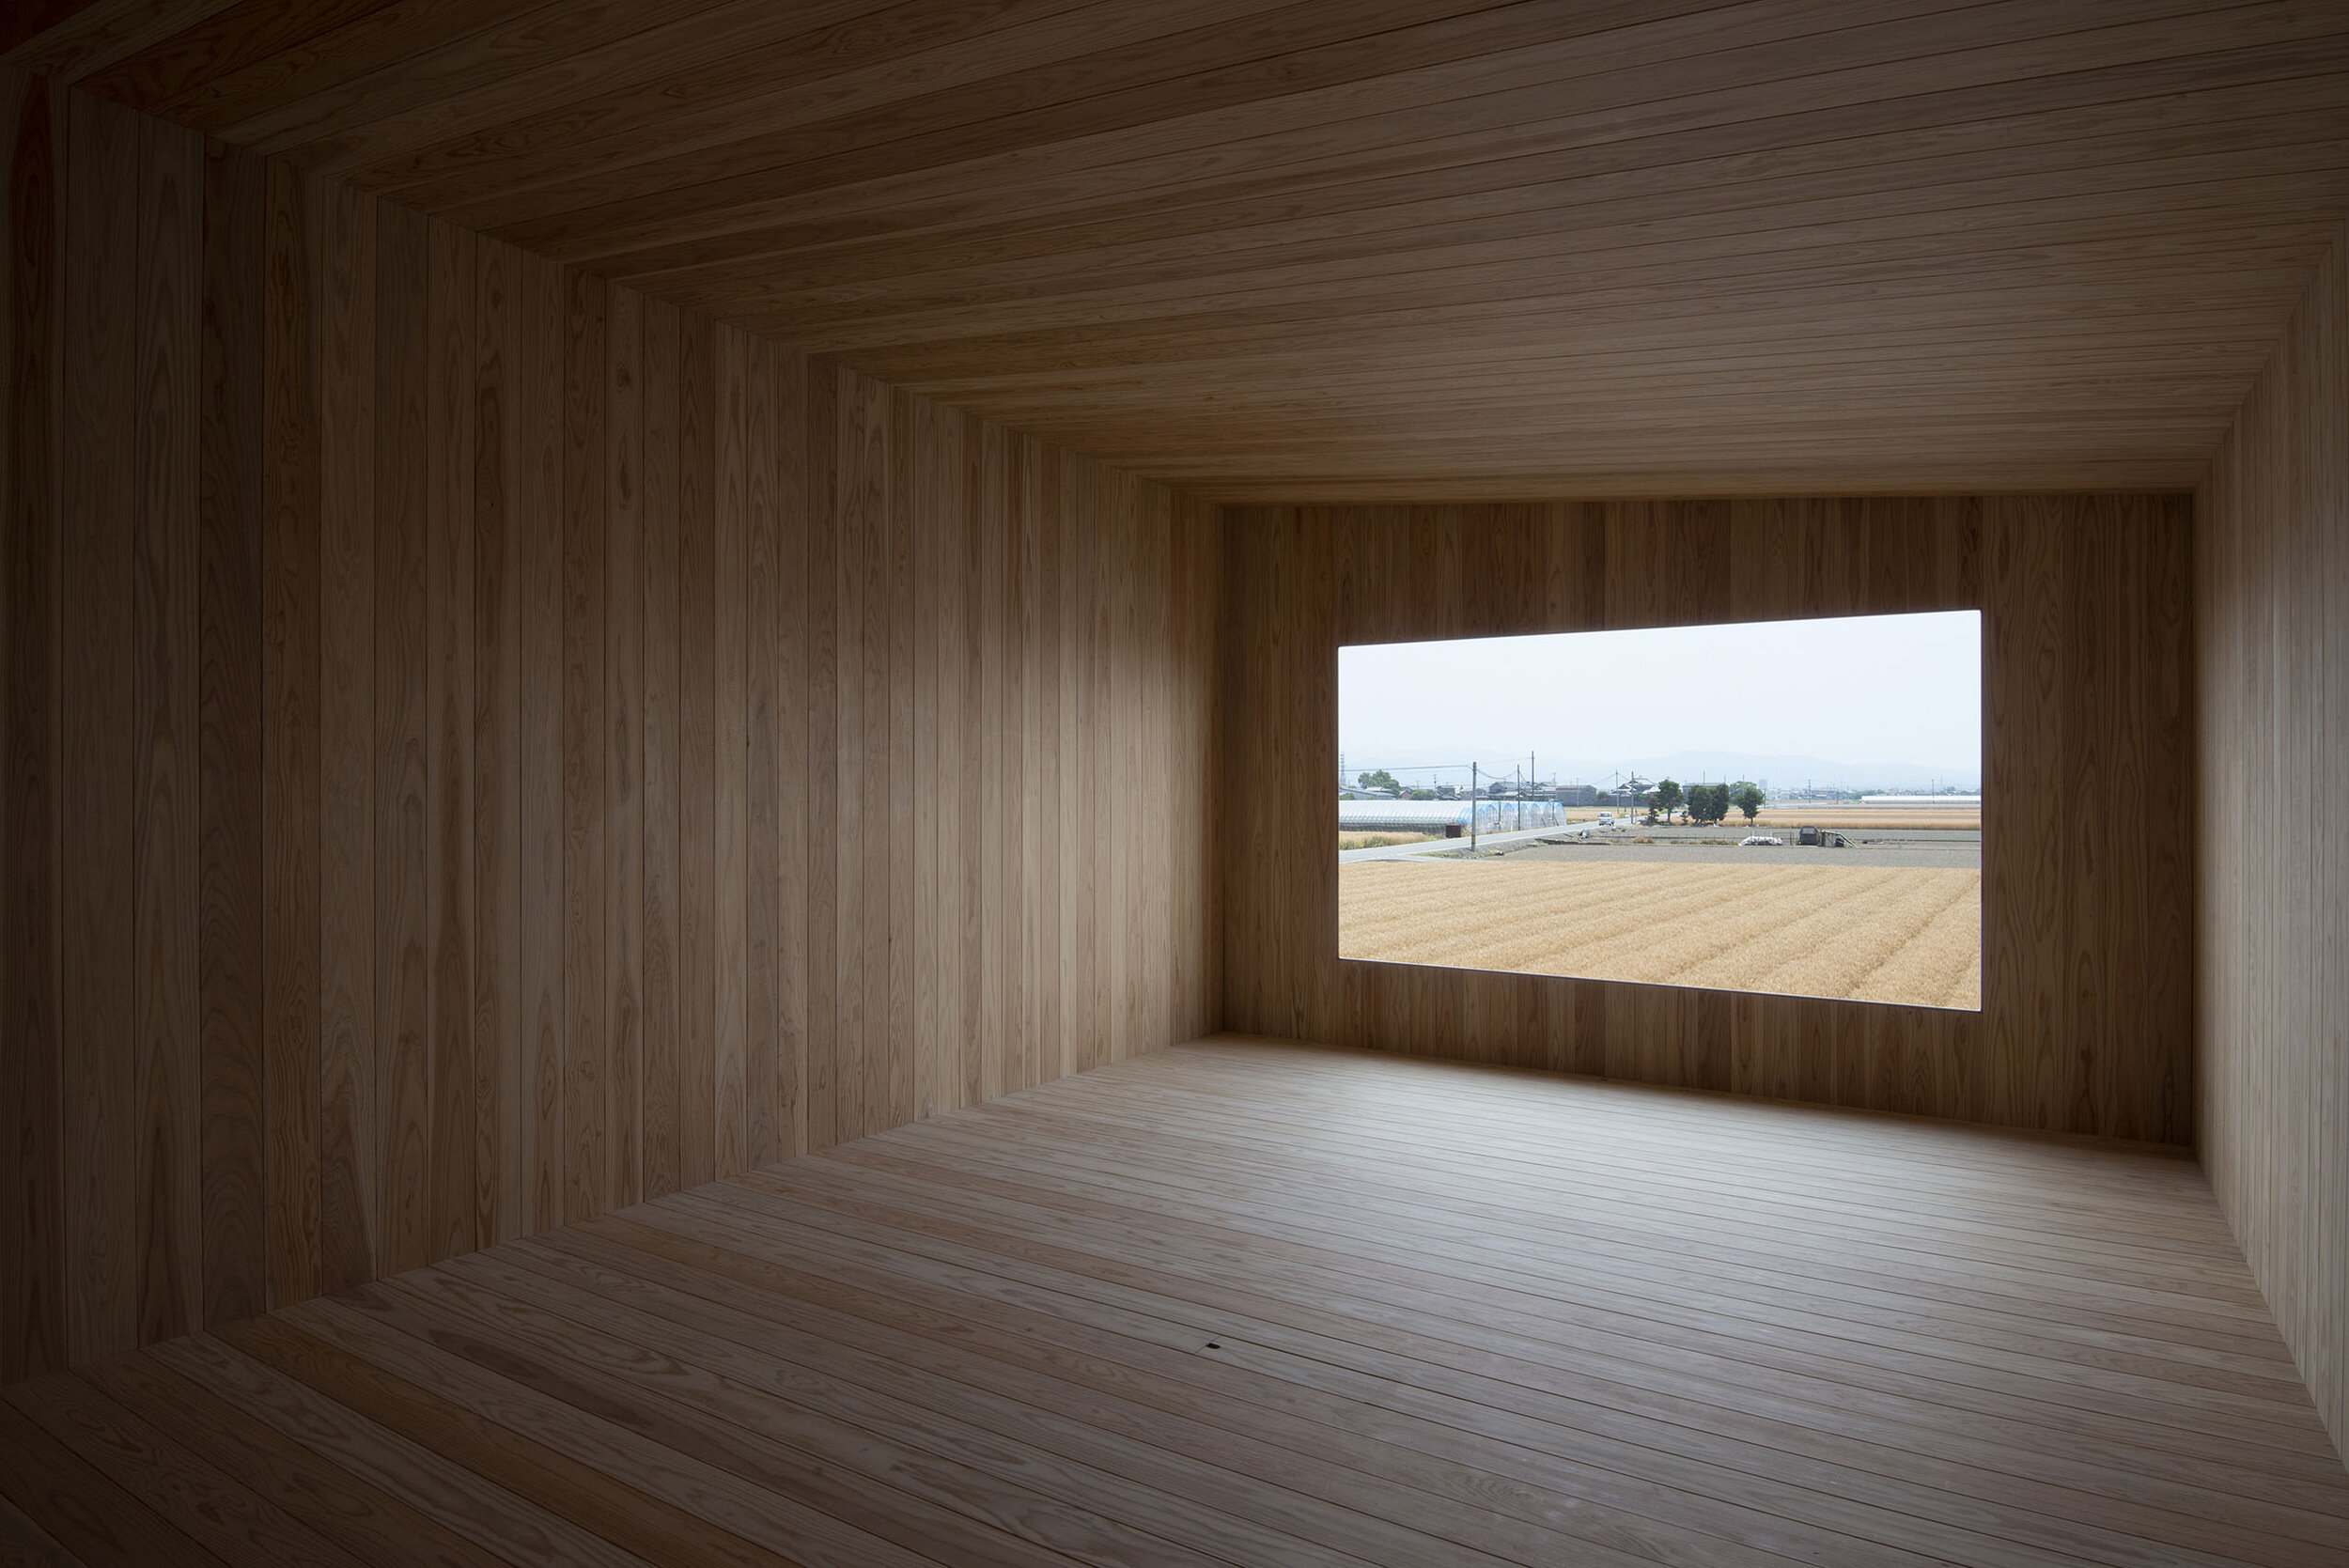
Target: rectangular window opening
(1791, 807)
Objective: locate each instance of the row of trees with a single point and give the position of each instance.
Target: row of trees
(1382, 779)
(1667, 801)
(1704, 802)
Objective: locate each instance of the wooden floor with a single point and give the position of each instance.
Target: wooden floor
(1257, 1304)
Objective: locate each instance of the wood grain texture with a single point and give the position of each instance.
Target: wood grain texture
(452, 325)
(33, 1229)
(164, 598)
(586, 1116)
(697, 752)
(421, 851)
(2087, 1019)
(2271, 597)
(97, 740)
(501, 1050)
(289, 745)
(349, 1137)
(1237, 1301)
(657, 585)
(623, 962)
(1408, 248)
(401, 942)
(731, 718)
(539, 743)
(230, 763)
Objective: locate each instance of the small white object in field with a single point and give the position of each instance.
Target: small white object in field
(1760, 838)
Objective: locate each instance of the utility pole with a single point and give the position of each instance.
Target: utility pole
(1473, 791)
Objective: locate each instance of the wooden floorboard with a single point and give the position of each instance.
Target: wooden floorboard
(1251, 1303)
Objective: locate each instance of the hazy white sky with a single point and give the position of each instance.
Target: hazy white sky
(1858, 690)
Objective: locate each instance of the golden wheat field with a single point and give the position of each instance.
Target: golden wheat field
(1867, 933)
(1378, 840)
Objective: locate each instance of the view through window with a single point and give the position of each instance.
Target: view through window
(1788, 806)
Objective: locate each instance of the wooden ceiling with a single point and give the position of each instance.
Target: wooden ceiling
(1354, 248)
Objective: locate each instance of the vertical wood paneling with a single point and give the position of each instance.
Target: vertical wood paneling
(1101, 699)
(892, 1103)
(735, 872)
(541, 915)
(776, 744)
(34, 1331)
(796, 482)
(659, 749)
(1035, 505)
(586, 1106)
(453, 1132)
(1081, 1040)
(815, 898)
(2271, 601)
(623, 968)
(228, 764)
(914, 444)
(859, 887)
(290, 729)
(484, 747)
(500, 1149)
(2023, 686)
(696, 767)
(343, 271)
(2085, 647)
(96, 734)
(401, 939)
(973, 850)
(997, 737)
(166, 552)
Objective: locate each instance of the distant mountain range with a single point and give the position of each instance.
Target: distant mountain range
(1780, 772)
(1791, 772)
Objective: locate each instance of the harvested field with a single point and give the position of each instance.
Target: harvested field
(1862, 934)
(1378, 840)
(1775, 818)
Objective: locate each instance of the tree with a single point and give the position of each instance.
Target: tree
(1668, 798)
(1708, 803)
(1380, 779)
(1747, 798)
(1423, 794)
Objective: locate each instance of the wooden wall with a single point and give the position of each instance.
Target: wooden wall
(2087, 877)
(483, 747)
(2272, 662)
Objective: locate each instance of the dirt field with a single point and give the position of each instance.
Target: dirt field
(1869, 935)
(1774, 817)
